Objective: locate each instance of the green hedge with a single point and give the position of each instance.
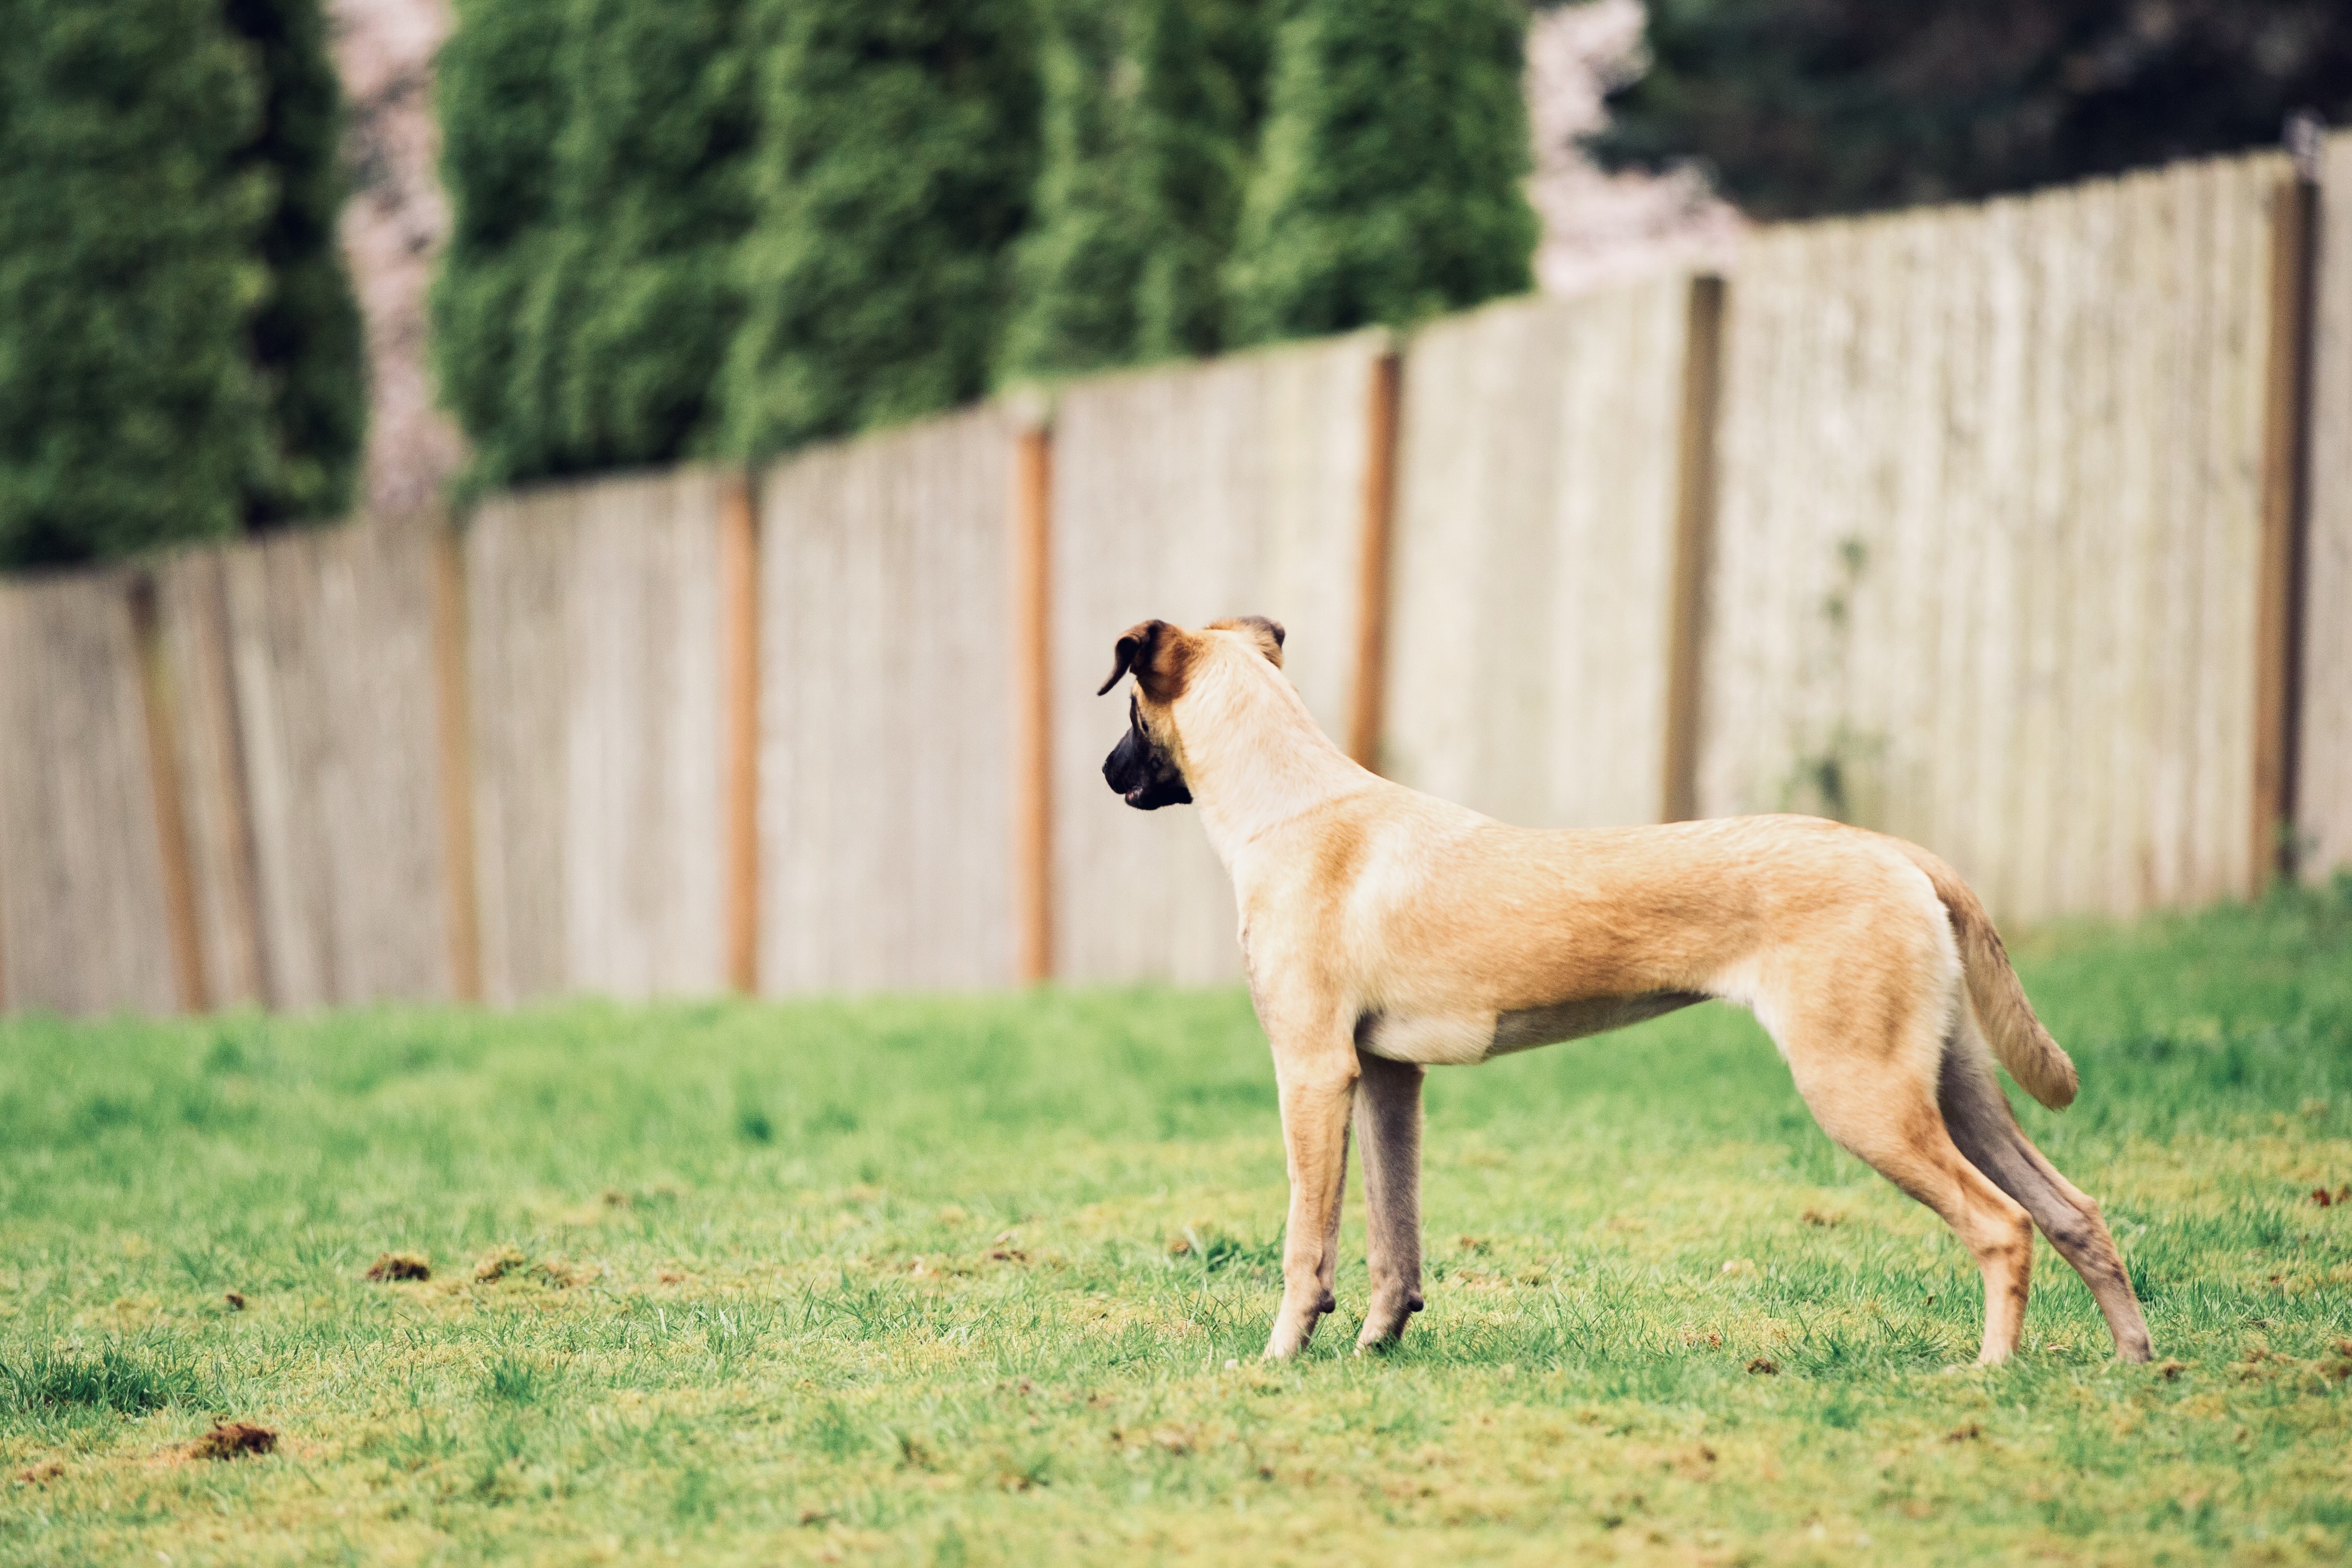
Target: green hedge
(178, 347)
(1387, 183)
(1151, 111)
(735, 225)
(597, 154)
(897, 149)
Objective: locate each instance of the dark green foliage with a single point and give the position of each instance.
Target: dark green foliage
(898, 151)
(1387, 183)
(595, 153)
(652, 198)
(307, 346)
(499, 96)
(128, 413)
(1149, 117)
(1803, 107)
(179, 349)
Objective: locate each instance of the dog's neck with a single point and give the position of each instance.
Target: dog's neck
(1254, 756)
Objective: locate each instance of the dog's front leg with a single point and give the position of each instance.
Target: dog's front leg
(1318, 1091)
(1388, 1130)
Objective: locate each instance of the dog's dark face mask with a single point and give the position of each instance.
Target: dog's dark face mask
(1139, 769)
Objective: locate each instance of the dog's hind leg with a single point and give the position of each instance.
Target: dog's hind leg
(1869, 1084)
(1388, 1130)
(1986, 1130)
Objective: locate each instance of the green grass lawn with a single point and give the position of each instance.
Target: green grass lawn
(983, 1281)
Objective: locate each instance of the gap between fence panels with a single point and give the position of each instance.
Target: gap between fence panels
(2284, 573)
(738, 575)
(1031, 672)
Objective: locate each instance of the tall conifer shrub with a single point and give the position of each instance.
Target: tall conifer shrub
(1388, 181)
(652, 199)
(897, 150)
(179, 352)
(1147, 120)
(503, 102)
(307, 345)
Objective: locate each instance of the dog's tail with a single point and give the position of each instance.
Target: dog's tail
(2003, 1014)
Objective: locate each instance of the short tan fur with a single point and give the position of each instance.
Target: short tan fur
(1385, 932)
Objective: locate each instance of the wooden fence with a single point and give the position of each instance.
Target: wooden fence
(1991, 517)
(1234, 487)
(2023, 529)
(885, 785)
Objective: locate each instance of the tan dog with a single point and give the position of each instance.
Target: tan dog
(1385, 932)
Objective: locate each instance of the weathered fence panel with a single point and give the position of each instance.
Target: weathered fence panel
(83, 926)
(1531, 594)
(2324, 782)
(1191, 494)
(1989, 526)
(208, 753)
(330, 642)
(886, 808)
(593, 645)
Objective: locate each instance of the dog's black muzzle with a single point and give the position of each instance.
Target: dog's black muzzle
(1142, 773)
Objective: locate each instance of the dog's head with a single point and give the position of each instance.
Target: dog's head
(1147, 766)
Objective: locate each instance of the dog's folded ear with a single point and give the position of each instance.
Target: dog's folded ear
(1157, 653)
(1268, 632)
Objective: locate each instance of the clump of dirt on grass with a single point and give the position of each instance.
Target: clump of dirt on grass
(1763, 1366)
(235, 1301)
(42, 1474)
(399, 1266)
(499, 1262)
(233, 1440)
(511, 1262)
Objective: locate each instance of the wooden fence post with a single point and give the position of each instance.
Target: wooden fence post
(738, 592)
(155, 700)
(1033, 695)
(1693, 543)
(1375, 540)
(454, 707)
(2279, 613)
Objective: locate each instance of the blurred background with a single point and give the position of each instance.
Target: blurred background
(507, 496)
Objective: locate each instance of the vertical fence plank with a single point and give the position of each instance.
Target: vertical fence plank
(739, 577)
(517, 588)
(453, 726)
(1693, 536)
(192, 610)
(596, 677)
(83, 915)
(1369, 694)
(159, 710)
(886, 706)
(2286, 421)
(2323, 790)
(338, 704)
(1033, 698)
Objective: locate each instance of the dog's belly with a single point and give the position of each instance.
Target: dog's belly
(1457, 1039)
